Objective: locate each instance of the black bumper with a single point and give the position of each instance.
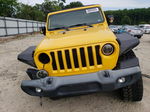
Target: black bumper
(81, 84)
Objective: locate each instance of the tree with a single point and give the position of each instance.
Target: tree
(126, 20)
(29, 12)
(136, 16)
(64, 1)
(8, 7)
(12, 8)
(50, 6)
(73, 5)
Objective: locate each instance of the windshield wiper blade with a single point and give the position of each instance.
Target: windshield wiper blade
(66, 28)
(83, 24)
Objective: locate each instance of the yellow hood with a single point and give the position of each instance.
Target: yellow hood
(76, 37)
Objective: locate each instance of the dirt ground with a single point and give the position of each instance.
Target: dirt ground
(13, 99)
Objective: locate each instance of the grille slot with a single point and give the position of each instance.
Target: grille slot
(68, 59)
(98, 57)
(60, 60)
(54, 61)
(75, 58)
(90, 53)
(82, 57)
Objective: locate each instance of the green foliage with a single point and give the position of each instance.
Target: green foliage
(73, 5)
(49, 6)
(12, 8)
(134, 16)
(126, 20)
(8, 7)
(64, 1)
(29, 12)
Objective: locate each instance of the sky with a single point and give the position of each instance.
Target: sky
(106, 4)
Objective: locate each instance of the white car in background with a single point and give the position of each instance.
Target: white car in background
(146, 28)
(134, 31)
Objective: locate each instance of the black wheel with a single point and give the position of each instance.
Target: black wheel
(133, 92)
(139, 37)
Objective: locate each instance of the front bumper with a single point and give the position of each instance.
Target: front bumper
(81, 84)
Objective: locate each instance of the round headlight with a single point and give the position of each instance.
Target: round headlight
(44, 58)
(108, 49)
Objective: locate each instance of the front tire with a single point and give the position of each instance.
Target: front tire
(133, 92)
(139, 37)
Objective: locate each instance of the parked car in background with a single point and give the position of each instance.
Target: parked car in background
(113, 28)
(146, 28)
(116, 29)
(134, 31)
(121, 30)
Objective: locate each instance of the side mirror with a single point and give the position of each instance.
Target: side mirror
(110, 19)
(43, 30)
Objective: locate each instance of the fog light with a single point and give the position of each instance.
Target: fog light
(41, 74)
(38, 90)
(122, 80)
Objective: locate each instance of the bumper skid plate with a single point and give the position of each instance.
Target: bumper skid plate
(81, 84)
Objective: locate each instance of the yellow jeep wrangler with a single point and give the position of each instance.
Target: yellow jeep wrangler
(81, 55)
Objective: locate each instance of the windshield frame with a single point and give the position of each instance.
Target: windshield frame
(100, 11)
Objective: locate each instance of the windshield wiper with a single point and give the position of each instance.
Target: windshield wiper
(83, 24)
(66, 28)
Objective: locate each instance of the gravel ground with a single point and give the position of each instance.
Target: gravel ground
(13, 99)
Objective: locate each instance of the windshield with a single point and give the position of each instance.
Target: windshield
(78, 17)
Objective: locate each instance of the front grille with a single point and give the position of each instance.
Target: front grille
(76, 58)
